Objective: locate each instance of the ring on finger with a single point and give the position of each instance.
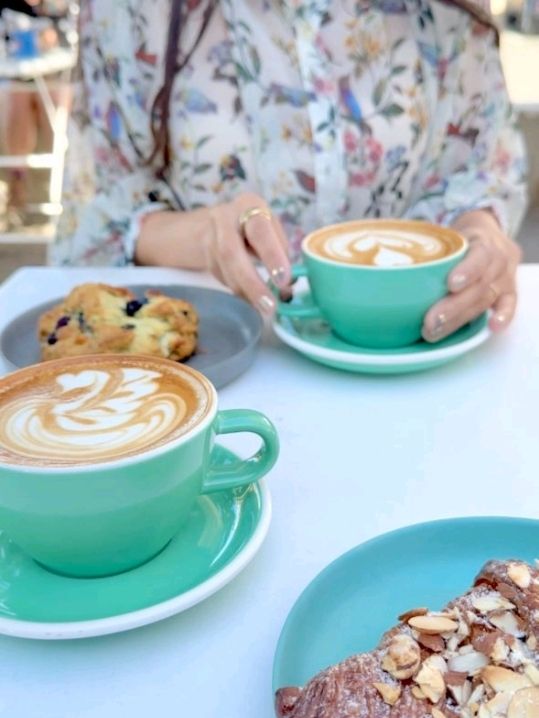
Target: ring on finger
(249, 214)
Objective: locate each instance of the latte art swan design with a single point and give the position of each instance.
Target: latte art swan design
(94, 414)
(384, 249)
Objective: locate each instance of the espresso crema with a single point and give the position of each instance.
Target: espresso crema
(384, 244)
(89, 411)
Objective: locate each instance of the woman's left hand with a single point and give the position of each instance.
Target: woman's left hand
(485, 279)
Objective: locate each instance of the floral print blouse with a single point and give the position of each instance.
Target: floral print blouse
(331, 110)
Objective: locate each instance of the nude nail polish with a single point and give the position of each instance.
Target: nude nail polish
(266, 305)
(458, 282)
(278, 276)
(438, 329)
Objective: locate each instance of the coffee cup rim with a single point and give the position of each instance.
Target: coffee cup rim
(130, 459)
(413, 223)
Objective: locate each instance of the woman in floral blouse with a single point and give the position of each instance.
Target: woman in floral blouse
(193, 112)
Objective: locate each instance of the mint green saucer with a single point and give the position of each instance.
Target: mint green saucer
(223, 534)
(314, 339)
(352, 602)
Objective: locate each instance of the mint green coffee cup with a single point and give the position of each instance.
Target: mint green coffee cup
(102, 458)
(373, 281)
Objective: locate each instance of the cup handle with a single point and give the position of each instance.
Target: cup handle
(242, 471)
(295, 311)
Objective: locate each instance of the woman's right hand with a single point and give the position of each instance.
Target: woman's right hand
(211, 239)
(231, 253)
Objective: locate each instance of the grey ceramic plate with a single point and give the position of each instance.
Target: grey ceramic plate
(230, 330)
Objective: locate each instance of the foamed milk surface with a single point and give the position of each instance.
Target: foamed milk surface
(383, 248)
(95, 414)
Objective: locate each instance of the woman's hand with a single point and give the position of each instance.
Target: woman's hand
(485, 279)
(231, 249)
(212, 239)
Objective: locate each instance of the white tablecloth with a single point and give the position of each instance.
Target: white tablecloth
(360, 455)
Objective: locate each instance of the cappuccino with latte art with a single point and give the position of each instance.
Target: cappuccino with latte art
(383, 243)
(98, 410)
(102, 458)
(374, 280)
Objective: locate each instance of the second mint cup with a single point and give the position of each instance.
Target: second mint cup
(376, 307)
(104, 518)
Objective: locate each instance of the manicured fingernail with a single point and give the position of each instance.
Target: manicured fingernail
(285, 295)
(278, 276)
(500, 318)
(438, 327)
(458, 282)
(266, 304)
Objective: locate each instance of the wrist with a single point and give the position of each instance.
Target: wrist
(477, 219)
(174, 239)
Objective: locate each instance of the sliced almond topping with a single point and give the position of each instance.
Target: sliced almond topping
(455, 678)
(484, 640)
(532, 672)
(433, 625)
(402, 658)
(433, 643)
(520, 653)
(463, 629)
(507, 622)
(525, 704)
(499, 704)
(436, 713)
(477, 694)
(437, 662)
(491, 602)
(504, 679)
(431, 682)
(500, 651)
(532, 642)
(405, 617)
(520, 574)
(484, 712)
(509, 591)
(418, 693)
(461, 693)
(469, 663)
(390, 694)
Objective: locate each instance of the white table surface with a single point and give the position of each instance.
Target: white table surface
(360, 455)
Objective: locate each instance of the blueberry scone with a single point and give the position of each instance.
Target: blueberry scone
(97, 318)
(478, 658)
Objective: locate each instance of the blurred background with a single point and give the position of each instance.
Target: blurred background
(38, 48)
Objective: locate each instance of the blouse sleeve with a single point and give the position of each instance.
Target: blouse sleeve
(477, 156)
(107, 184)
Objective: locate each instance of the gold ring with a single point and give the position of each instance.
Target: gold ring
(249, 214)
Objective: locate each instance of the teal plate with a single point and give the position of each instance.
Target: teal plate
(314, 339)
(222, 535)
(352, 602)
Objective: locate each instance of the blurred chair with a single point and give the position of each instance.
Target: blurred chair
(37, 79)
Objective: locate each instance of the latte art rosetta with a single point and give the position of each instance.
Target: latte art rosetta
(384, 248)
(92, 414)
